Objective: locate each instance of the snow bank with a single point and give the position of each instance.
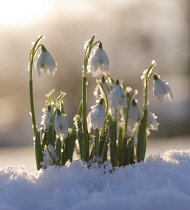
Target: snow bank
(160, 183)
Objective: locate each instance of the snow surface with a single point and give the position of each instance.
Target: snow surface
(159, 183)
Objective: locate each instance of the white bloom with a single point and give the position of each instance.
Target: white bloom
(96, 117)
(152, 121)
(46, 63)
(46, 120)
(98, 62)
(60, 125)
(161, 89)
(117, 96)
(135, 114)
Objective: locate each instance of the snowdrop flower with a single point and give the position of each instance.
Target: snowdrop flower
(97, 116)
(161, 89)
(98, 62)
(117, 96)
(45, 62)
(46, 119)
(135, 114)
(152, 121)
(61, 126)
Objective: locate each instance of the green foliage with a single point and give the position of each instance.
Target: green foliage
(117, 140)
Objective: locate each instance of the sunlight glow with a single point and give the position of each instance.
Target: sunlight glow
(22, 11)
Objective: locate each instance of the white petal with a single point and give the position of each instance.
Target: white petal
(117, 97)
(97, 116)
(46, 63)
(61, 126)
(98, 62)
(134, 115)
(152, 122)
(159, 90)
(97, 72)
(169, 92)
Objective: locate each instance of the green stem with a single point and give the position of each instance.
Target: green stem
(37, 142)
(38, 150)
(58, 152)
(121, 147)
(84, 119)
(84, 100)
(32, 100)
(97, 143)
(112, 137)
(142, 136)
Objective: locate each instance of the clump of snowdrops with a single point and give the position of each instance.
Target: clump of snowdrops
(116, 128)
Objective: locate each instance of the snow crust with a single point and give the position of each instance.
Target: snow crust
(158, 183)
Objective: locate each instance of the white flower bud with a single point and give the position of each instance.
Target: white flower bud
(117, 96)
(135, 114)
(96, 117)
(161, 89)
(98, 62)
(46, 63)
(60, 125)
(152, 121)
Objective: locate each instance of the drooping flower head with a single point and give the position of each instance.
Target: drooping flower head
(98, 62)
(135, 114)
(46, 63)
(117, 96)
(161, 89)
(97, 116)
(60, 125)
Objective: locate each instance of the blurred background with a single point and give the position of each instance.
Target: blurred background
(133, 33)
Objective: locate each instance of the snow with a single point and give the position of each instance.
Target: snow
(161, 182)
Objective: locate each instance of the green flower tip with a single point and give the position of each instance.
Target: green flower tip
(41, 36)
(43, 48)
(103, 79)
(49, 108)
(156, 77)
(100, 45)
(58, 111)
(117, 82)
(134, 103)
(101, 101)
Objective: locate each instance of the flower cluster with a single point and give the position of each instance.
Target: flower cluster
(116, 126)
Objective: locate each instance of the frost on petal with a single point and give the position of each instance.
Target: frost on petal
(152, 121)
(98, 62)
(46, 120)
(117, 97)
(97, 92)
(96, 117)
(61, 126)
